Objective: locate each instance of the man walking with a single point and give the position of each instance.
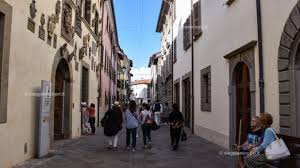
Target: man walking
(157, 111)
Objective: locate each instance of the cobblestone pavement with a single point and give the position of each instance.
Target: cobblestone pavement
(91, 152)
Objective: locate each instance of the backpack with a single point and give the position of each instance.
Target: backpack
(156, 107)
(148, 121)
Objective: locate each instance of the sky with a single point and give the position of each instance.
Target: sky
(136, 24)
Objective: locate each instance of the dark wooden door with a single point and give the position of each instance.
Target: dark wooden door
(243, 102)
(58, 106)
(187, 102)
(177, 94)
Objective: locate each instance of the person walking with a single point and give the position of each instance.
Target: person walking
(131, 121)
(85, 119)
(166, 113)
(113, 125)
(157, 111)
(146, 121)
(92, 117)
(176, 124)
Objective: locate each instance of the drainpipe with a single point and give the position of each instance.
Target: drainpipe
(261, 63)
(172, 79)
(192, 63)
(100, 68)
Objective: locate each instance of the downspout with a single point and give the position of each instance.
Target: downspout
(100, 68)
(260, 52)
(172, 80)
(192, 63)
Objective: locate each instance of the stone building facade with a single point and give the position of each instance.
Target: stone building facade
(60, 41)
(244, 62)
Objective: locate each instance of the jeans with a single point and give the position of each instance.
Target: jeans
(132, 133)
(175, 136)
(113, 141)
(146, 134)
(92, 123)
(157, 117)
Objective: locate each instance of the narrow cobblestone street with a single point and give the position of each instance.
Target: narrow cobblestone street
(90, 152)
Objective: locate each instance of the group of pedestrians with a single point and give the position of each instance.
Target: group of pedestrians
(146, 117)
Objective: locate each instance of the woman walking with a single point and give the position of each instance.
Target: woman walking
(176, 125)
(146, 121)
(131, 120)
(113, 125)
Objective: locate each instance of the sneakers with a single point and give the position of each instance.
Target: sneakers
(133, 149)
(127, 148)
(145, 146)
(149, 145)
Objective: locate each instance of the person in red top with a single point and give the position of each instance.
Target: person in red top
(92, 118)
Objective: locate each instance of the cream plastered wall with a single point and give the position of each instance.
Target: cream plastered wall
(235, 26)
(30, 61)
(225, 29)
(274, 16)
(183, 63)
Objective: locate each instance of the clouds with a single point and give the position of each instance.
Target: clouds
(141, 73)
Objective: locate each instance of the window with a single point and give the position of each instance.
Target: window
(175, 50)
(206, 89)
(5, 32)
(197, 30)
(87, 11)
(187, 34)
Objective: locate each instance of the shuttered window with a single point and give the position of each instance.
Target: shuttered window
(87, 11)
(197, 30)
(187, 34)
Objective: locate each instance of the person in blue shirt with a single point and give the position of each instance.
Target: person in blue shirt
(258, 160)
(254, 139)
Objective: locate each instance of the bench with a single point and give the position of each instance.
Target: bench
(293, 161)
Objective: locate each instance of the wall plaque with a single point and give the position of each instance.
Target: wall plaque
(66, 22)
(31, 25)
(42, 33)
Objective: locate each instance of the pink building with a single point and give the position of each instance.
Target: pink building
(109, 63)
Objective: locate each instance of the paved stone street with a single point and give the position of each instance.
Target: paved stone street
(90, 151)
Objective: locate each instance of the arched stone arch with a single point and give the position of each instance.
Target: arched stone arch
(61, 62)
(287, 70)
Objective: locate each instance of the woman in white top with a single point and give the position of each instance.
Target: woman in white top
(146, 121)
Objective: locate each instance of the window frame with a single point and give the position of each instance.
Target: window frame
(6, 10)
(206, 89)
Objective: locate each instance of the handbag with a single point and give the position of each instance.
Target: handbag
(277, 149)
(183, 135)
(154, 126)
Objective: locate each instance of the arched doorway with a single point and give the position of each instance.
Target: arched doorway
(243, 102)
(289, 75)
(62, 101)
(242, 93)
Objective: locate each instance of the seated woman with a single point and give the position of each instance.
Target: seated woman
(258, 160)
(254, 139)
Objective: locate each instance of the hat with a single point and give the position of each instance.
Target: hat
(116, 103)
(83, 103)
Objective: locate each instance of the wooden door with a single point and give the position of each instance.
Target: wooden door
(187, 102)
(243, 102)
(58, 106)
